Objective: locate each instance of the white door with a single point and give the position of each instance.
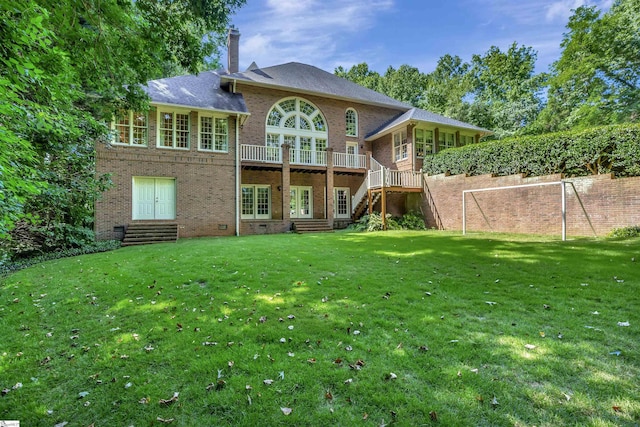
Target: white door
(352, 155)
(154, 198)
(301, 202)
(342, 202)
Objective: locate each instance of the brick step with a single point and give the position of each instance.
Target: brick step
(312, 226)
(143, 234)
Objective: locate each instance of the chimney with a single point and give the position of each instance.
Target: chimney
(233, 42)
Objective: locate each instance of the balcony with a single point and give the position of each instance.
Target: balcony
(297, 157)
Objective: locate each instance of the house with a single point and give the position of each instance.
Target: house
(264, 150)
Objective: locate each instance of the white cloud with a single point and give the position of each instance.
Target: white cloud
(563, 9)
(309, 31)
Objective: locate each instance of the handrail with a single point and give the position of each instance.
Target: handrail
(392, 178)
(360, 193)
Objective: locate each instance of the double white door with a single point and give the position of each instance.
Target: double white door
(301, 202)
(154, 198)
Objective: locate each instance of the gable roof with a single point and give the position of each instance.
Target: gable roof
(199, 91)
(418, 115)
(308, 79)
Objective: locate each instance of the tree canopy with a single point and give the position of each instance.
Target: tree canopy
(65, 69)
(596, 80)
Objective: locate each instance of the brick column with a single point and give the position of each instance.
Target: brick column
(286, 185)
(329, 213)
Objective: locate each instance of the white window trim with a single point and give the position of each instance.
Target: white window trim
(355, 114)
(213, 117)
(415, 142)
(281, 131)
(442, 132)
(174, 111)
(114, 129)
(402, 144)
(255, 202)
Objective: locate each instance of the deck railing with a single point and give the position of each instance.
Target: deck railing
(385, 177)
(353, 161)
(261, 154)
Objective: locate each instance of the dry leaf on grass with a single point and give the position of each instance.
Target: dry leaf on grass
(286, 411)
(173, 399)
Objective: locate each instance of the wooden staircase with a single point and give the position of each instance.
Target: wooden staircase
(311, 226)
(361, 207)
(144, 234)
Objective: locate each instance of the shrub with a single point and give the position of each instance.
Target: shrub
(625, 232)
(7, 266)
(573, 153)
(412, 221)
(373, 222)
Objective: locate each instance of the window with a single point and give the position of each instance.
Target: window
(173, 129)
(351, 119)
(131, 128)
(446, 140)
(423, 142)
(214, 134)
(302, 126)
(400, 148)
(466, 139)
(256, 202)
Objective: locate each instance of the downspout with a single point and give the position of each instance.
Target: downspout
(237, 175)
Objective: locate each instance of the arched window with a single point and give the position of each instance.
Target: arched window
(351, 120)
(300, 124)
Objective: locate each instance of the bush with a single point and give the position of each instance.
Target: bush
(7, 266)
(625, 232)
(412, 221)
(573, 153)
(373, 222)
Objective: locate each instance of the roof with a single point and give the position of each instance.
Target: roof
(418, 115)
(200, 91)
(312, 80)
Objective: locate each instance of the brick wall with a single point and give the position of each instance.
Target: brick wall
(608, 203)
(205, 193)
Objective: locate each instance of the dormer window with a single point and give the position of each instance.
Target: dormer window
(351, 120)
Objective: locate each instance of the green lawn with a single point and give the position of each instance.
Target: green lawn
(411, 328)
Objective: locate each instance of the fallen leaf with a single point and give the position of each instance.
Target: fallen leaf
(268, 382)
(144, 400)
(529, 346)
(165, 420)
(83, 394)
(623, 324)
(328, 395)
(423, 348)
(365, 416)
(494, 402)
(230, 363)
(434, 416)
(312, 360)
(348, 381)
(286, 411)
(490, 302)
(616, 408)
(171, 400)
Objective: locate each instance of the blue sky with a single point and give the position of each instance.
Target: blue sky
(329, 33)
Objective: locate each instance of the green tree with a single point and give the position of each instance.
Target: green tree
(507, 94)
(597, 78)
(405, 84)
(448, 88)
(66, 68)
(360, 74)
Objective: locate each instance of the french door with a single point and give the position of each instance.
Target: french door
(341, 202)
(301, 202)
(154, 198)
(352, 155)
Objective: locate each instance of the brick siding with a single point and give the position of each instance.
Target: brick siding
(609, 203)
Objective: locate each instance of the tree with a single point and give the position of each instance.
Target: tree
(66, 68)
(360, 74)
(507, 93)
(597, 78)
(448, 88)
(405, 84)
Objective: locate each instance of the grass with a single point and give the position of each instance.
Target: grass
(411, 328)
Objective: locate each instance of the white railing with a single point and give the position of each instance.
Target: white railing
(260, 153)
(308, 157)
(353, 161)
(360, 194)
(385, 177)
(375, 165)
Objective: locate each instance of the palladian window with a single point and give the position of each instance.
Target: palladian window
(301, 125)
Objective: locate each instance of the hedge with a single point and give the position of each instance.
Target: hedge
(592, 151)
